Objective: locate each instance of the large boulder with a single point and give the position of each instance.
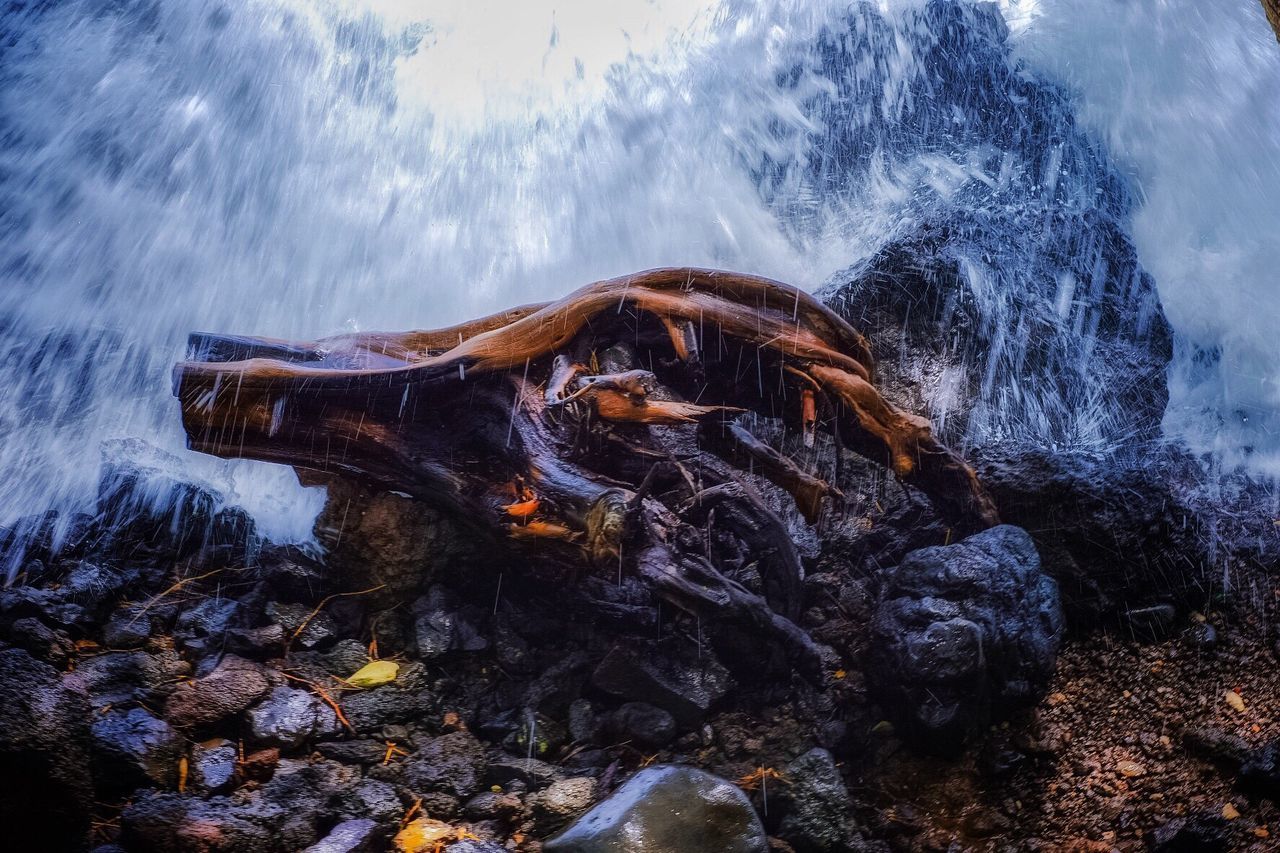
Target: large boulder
(44, 750)
(667, 809)
(964, 634)
(1007, 301)
(1121, 537)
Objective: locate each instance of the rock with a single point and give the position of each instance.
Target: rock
(1122, 538)
(132, 748)
(561, 801)
(452, 763)
(201, 628)
(685, 689)
(285, 813)
(1152, 622)
(213, 765)
(643, 725)
(288, 718)
(42, 642)
(128, 628)
(378, 800)
(440, 628)
(1195, 834)
(230, 688)
(318, 629)
(1260, 771)
(667, 809)
(144, 502)
(491, 805)
(44, 750)
(475, 847)
(964, 634)
(383, 538)
(350, 836)
(370, 710)
(117, 678)
(817, 813)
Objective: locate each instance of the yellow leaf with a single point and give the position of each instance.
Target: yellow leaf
(1234, 700)
(1230, 812)
(421, 835)
(375, 674)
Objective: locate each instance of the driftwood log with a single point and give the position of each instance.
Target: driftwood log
(600, 430)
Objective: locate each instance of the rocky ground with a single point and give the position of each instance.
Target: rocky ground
(167, 692)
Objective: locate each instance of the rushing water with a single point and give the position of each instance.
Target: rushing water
(300, 167)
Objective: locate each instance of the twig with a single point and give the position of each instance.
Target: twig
(324, 694)
(314, 613)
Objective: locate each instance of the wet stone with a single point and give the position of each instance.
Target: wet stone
(232, 686)
(452, 763)
(287, 718)
(561, 801)
(132, 748)
(318, 629)
(643, 725)
(817, 815)
(685, 689)
(964, 634)
(350, 836)
(667, 809)
(213, 765)
(128, 628)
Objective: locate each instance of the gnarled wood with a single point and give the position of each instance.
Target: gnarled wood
(570, 429)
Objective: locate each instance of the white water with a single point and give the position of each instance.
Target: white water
(296, 168)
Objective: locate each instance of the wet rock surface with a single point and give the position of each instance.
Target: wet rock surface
(668, 810)
(133, 748)
(232, 686)
(964, 634)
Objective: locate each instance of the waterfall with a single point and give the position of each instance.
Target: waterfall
(296, 168)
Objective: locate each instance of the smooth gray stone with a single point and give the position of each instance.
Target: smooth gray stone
(668, 809)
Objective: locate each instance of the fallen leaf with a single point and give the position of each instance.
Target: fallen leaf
(375, 673)
(421, 835)
(1230, 812)
(1130, 768)
(1234, 700)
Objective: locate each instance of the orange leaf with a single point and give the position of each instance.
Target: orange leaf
(523, 509)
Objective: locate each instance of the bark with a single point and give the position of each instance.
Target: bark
(599, 430)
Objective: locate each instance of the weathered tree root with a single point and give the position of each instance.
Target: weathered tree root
(566, 429)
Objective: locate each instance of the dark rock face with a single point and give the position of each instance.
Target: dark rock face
(687, 690)
(287, 718)
(1010, 302)
(1195, 834)
(143, 501)
(643, 724)
(384, 538)
(964, 634)
(452, 763)
(285, 813)
(1120, 539)
(132, 748)
(350, 836)
(231, 687)
(44, 749)
(667, 809)
(816, 804)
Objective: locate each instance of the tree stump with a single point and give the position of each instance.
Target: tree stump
(598, 432)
